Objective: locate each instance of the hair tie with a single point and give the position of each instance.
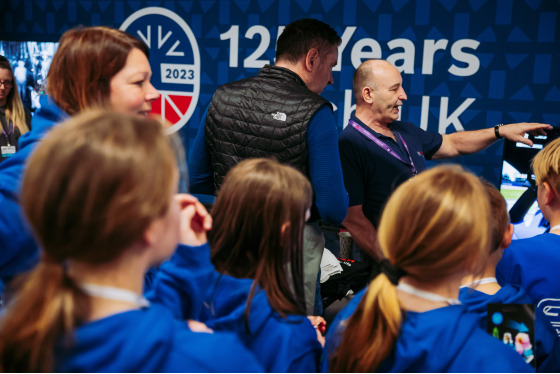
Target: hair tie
(393, 273)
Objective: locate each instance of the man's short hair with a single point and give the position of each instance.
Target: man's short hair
(362, 77)
(546, 165)
(302, 35)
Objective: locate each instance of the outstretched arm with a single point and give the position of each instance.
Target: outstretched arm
(468, 142)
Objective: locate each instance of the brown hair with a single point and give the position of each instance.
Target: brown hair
(302, 35)
(546, 165)
(499, 214)
(84, 64)
(433, 226)
(14, 106)
(90, 190)
(257, 232)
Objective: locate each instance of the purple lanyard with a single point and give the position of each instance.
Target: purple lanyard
(385, 146)
(10, 130)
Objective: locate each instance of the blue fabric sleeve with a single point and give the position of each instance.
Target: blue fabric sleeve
(182, 281)
(201, 176)
(18, 249)
(325, 171)
(351, 156)
(306, 363)
(430, 141)
(547, 344)
(505, 272)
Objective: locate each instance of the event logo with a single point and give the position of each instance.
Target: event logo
(551, 307)
(174, 59)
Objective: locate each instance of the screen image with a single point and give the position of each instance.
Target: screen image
(514, 324)
(518, 185)
(30, 63)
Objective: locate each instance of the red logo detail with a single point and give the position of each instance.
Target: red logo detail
(181, 102)
(175, 107)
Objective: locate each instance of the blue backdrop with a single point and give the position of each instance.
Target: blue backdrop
(466, 64)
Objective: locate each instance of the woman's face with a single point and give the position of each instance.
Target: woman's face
(131, 90)
(7, 79)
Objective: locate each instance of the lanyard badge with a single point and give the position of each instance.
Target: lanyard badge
(8, 150)
(386, 147)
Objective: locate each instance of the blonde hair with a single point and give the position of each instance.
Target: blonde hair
(433, 226)
(90, 190)
(14, 106)
(546, 165)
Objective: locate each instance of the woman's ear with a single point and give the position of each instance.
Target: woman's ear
(285, 230)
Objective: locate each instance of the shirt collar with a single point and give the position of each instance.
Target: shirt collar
(376, 134)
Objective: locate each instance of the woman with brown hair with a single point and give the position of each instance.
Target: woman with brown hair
(93, 66)
(257, 245)
(14, 118)
(433, 231)
(107, 210)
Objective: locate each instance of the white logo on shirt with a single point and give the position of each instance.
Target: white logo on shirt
(551, 307)
(279, 116)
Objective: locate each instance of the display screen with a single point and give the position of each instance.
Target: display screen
(30, 63)
(518, 185)
(514, 324)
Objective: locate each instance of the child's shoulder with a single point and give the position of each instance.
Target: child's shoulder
(542, 242)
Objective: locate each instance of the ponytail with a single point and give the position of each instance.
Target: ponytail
(447, 233)
(372, 330)
(41, 316)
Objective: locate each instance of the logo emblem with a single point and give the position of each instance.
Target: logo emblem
(279, 116)
(551, 307)
(174, 59)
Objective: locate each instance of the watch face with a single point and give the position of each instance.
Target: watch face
(174, 59)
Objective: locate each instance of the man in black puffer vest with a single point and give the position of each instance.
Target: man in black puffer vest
(279, 113)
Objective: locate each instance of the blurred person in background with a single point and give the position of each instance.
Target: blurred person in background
(14, 117)
(93, 67)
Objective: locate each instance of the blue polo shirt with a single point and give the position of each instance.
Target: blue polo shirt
(371, 174)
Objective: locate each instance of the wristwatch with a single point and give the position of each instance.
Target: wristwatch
(497, 131)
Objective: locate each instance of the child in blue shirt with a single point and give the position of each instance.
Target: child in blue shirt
(257, 246)
(534, 263)
(99, 193)
(478, 292)
(433, 230)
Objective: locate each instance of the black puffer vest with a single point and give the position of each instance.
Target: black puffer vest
(263, 116)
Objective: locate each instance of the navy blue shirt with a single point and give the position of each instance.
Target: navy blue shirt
(371, 174)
